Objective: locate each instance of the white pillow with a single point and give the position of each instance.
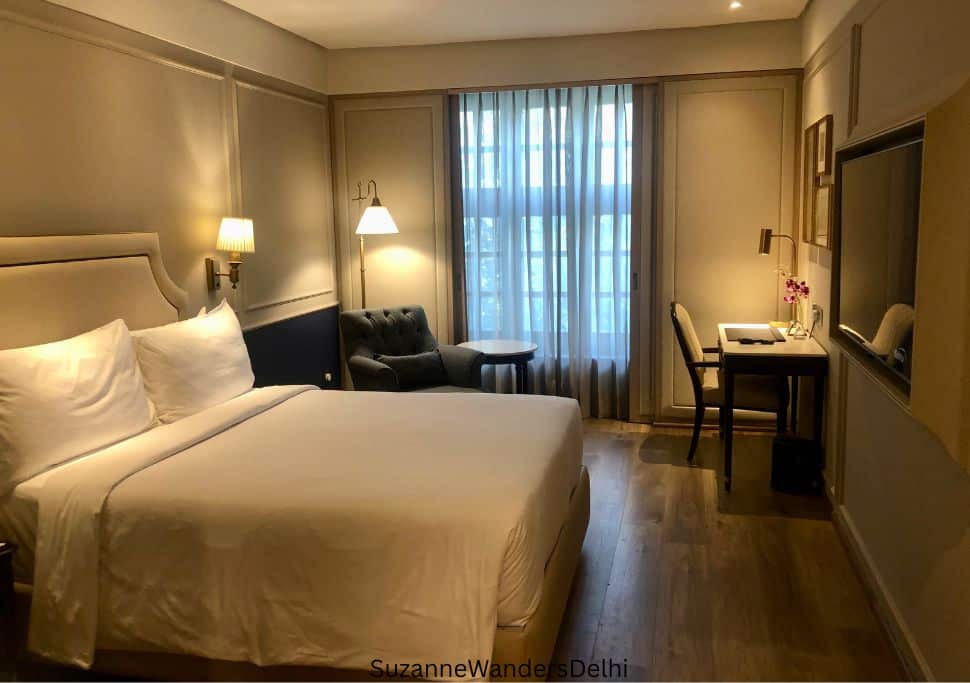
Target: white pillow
(194, 364)
(68, 398)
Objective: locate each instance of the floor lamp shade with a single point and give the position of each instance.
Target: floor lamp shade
(376, 220)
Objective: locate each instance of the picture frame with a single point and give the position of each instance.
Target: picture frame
(817, 188)
(823, 146)
(822, 215)
(808, 188)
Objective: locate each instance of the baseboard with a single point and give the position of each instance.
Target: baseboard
(902, 640)
(742, 426)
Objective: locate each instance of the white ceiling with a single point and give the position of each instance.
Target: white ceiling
(339, 24)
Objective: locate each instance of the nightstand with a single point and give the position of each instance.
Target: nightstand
(8, 647)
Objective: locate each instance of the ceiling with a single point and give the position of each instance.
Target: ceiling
(337, 24)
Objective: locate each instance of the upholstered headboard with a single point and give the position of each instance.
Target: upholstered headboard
(59, 286)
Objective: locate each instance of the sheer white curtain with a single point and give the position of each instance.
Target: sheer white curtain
(546, 191)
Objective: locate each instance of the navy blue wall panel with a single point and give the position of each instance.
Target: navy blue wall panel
(298, 350)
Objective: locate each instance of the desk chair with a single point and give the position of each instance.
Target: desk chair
(762, 393)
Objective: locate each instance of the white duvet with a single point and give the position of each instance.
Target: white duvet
(295, 526)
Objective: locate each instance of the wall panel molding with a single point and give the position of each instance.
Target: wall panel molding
(709, 259)
(102, 140)
(400, 143)
(151, 142)
(284, 160)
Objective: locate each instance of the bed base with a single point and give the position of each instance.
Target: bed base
(533, 642)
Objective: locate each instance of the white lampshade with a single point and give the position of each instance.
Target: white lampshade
(376, 221)
(236, 235)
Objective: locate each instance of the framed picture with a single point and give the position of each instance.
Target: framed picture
(808, 189)
(817, 188)
(822, 212)
(823, 146)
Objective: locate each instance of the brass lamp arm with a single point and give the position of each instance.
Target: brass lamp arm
(212, 275)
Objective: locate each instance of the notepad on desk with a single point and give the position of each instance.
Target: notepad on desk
(758, 335)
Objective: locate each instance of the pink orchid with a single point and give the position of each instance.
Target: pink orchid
(796, 289)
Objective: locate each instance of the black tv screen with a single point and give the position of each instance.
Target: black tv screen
(877, 202)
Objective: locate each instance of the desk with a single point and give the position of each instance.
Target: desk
(507, 352)
(791, 358)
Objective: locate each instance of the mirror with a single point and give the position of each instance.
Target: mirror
(878, 218)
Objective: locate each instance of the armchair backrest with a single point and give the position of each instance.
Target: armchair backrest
(398, 331)
(690, 345)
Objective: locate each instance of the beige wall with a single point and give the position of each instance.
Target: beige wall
(941, 370)
(97, 139)
(728, 170)
(220, 30)
(400, 143)
(284, 160)
(736, 47)
(819, 19)
(883, 466)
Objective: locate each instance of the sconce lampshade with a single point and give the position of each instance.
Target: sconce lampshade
(376, 221)
(236, 235)
(764, 244)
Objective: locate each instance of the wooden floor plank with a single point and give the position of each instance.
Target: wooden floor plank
(683, 581)
(683, 641)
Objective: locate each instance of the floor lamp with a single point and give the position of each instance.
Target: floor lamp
(376, 220)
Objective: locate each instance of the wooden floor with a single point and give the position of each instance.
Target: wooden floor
(687, 582)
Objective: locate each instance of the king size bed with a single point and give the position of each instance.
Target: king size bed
(286, 531)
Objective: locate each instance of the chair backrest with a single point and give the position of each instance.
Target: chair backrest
(894, 330)
(398, 331)
(690, 345)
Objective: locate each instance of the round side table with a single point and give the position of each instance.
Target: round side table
(507, 352)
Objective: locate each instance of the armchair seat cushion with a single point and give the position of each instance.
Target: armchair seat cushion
(417, 370)
(447, 389)
(751, 392)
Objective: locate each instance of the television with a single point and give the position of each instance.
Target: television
(876, 223)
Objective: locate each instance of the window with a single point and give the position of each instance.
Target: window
(546, 191)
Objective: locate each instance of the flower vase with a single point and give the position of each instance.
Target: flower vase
(796, 328)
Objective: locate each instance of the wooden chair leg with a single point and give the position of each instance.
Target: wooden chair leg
(698, 421)
(721, 415)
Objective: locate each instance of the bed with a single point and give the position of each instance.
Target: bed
(290, 531)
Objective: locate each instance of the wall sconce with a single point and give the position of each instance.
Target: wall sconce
(376, 220)
(764, 244)
(236, 237)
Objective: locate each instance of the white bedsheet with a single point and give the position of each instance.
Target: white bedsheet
(309, 527)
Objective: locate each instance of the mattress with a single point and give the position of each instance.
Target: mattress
(502, 466)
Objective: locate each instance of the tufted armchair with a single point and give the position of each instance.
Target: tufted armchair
(393, 333)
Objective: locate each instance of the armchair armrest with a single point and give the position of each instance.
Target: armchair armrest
(464, 366)
(371, 375)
